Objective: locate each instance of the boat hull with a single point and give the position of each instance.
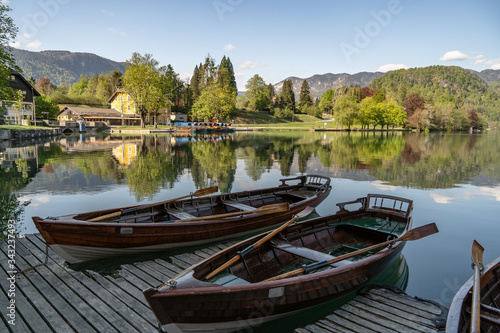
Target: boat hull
(218, 310)
(189, 301)
(77, 240)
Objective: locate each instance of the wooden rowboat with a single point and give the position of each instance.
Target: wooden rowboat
(178, 223)
(280, 273)
(460, 316)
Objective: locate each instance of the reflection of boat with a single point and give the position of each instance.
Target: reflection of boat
(195, 300)
(167, 225)
(201, 127)
(182, 138)
(459, 315)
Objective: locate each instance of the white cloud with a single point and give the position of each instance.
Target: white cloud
(239, 74)
(379, 185)
(454, 55)
(391, 67)
(5, 2)
(35, 44)
(16, 45)
(442, 199)
(492, 64)
(184, 76)
(249, 65)
(229, 47)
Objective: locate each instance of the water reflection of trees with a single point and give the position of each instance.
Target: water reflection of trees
(158, 162)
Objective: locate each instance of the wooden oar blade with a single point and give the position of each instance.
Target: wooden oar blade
(420, 232)
(206, 191)
(273, 208)
(477, 253)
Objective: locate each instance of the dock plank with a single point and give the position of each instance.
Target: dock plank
(381, 309)
(52, 297)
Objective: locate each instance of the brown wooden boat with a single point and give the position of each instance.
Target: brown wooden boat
(487, 311)
(178, 223)
(279, 273)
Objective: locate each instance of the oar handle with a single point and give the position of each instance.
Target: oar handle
(413, 234)
(223, 267)
(308, 210)
(198, 193)
(107, 216)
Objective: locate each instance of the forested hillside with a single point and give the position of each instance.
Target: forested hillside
(449, 86)
(63, 67)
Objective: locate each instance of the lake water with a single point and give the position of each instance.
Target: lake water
(453, 179)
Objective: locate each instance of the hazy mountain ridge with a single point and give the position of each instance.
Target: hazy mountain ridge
(66, 67)
(319, 83)
(63, 66)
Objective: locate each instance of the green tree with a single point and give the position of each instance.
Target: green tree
(305, 97)
(346, 111)
(325, 103)
(141, 81)
(257, 93)
(287, 96)
(8, 33)
(215, 101)
(45, 104)
(226, 74)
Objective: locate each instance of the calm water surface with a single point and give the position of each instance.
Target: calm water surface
(454, 180)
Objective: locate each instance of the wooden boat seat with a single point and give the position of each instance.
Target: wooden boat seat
(181, 215)
(299, 194)
(307, 253)
(238, 205)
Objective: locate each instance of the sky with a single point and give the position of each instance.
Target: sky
(274, 39)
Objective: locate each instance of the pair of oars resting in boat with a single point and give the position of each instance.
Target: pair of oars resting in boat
(308, 210)
(489, 314)
(268, 209)
(198, 193)
(413, 234)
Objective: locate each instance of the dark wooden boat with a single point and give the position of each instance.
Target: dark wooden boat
(460, 313)
(234, 298)
(182, 223)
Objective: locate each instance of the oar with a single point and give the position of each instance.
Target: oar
(308, 210)
(268, 209)
(199, 193)
(413, 234)
(477, 258)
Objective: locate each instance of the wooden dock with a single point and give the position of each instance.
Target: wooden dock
(383, 309)
(50, 297)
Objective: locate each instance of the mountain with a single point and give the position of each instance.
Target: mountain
(488, 75)
(440, 85)
(63, 66)
(319, 83)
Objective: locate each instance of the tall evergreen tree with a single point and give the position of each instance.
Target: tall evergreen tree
(287, 97)
(195, 83)
(226, 73)
(270, 92)
(305, 98)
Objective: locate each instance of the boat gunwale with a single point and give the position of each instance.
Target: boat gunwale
(211, 287)
(71, 219)
(455, 312)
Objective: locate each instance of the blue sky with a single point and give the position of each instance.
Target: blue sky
(274, 39)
